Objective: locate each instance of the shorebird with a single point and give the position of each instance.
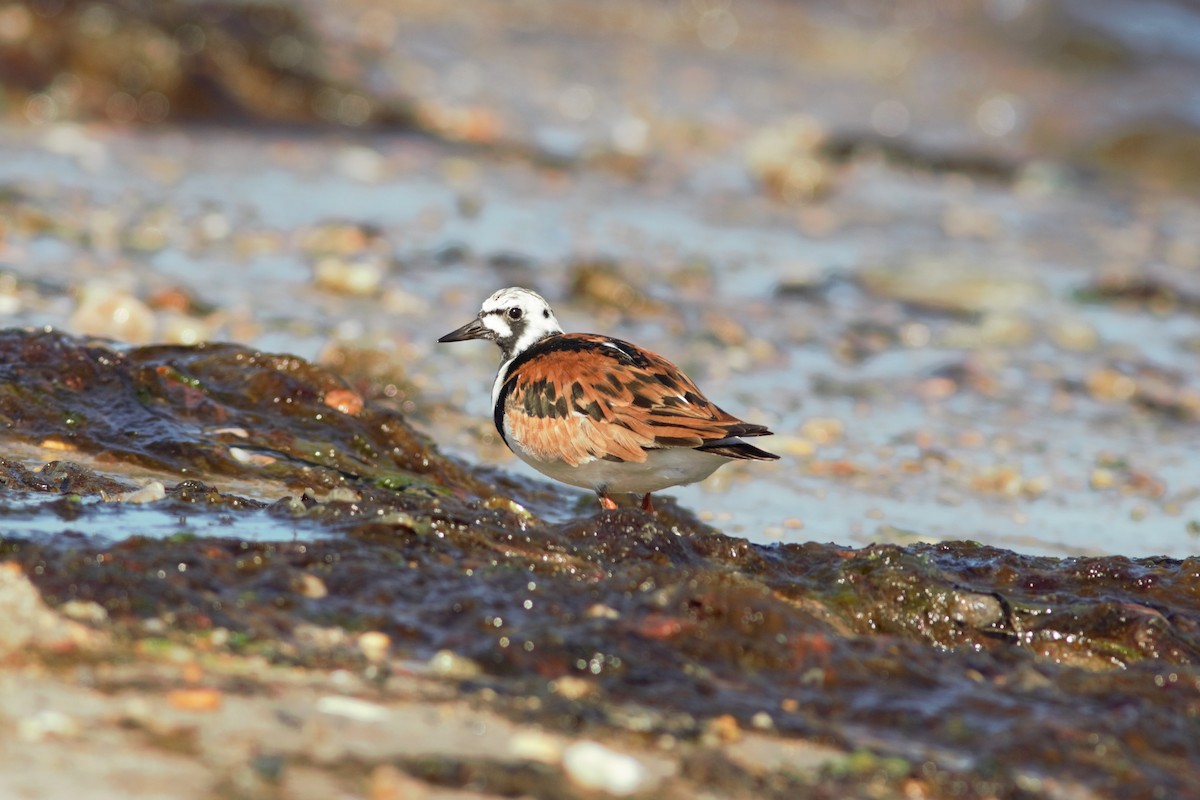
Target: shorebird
(597, 412)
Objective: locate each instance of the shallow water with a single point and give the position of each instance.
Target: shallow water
(38, 517)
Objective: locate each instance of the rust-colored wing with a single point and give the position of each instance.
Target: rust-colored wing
(578, 397)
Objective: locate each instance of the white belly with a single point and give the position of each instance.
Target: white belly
(672, 466)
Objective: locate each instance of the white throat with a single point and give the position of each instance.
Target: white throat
(500, 376)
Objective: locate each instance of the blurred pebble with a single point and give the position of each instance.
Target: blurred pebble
(915, 334)
(150, 493)
(84, 611)
(318, 637)
(975, 609)
(46, 724)
(601, 611)
(804, 280)
(312, 587)
(535, 745)
(10, 300)
(243, 456)
(1001, 480)
(336, 705)
(360, 276)
(398, 301)
(495, 503)
(337, 238)
(593, 766)
(572, 687)
(1110, 385)
(374, 645)
(792, 446)
(1042, 179)
(1102, 478)
(822, 430)
(727, 329)
(347, 401)
(723, 729)
(180, 329)
(360, 163)
(73, 141)
(448, 664)
(470, 124)
(173, 298)
(213, 227)
(1074, 334)
(786, 159)
(151, 233)
(762, 721)
(112, 313)
(196, 699)
(341, 494)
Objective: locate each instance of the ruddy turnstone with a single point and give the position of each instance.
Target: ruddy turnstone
(597, 412)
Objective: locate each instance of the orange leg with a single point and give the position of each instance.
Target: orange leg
(606, 502)
(647, 505)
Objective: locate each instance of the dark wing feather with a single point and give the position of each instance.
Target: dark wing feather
(578, 397)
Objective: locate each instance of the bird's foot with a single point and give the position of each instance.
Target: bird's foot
(647, 504)
(606, 502)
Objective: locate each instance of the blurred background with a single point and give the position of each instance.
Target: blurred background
(948, 251)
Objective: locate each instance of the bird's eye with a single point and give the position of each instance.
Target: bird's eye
(515, 313)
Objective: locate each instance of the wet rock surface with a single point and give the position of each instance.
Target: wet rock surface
(948, 670)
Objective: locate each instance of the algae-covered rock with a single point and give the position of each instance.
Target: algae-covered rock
(940, 667)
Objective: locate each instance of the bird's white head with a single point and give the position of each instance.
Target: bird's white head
(513, 318)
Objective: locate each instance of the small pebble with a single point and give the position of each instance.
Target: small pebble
(84, 611)
(571, 687)
(724, 728)
(535, 745)
(358, 277)
(823, 430)
(336, 705)
(1102, 478)
(46, 724)
(449, 664)
(197, 699)
(593, 766)
(374, 645)
(495, 503)
(601, 611)
(150, 493)
(243, 456)
(1109, 385)
(341, 494)
(346, 401)
(107, 311)
(762, 721)
(312, 587)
